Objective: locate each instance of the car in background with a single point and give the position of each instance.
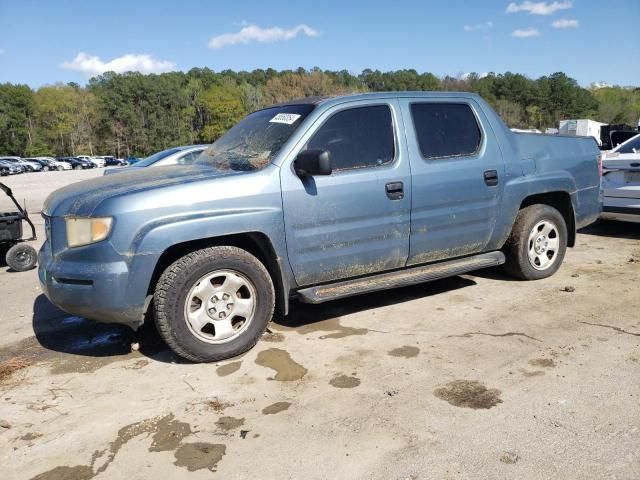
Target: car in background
(49, 163)
(184, 155)
(115, 162)
(9, 168)
(621, 182)
(27, 165)
(78, 163)
(97, 161)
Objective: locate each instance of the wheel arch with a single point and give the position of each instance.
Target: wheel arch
(256, 243)
(561, 201)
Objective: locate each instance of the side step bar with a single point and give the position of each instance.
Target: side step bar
(399, 278)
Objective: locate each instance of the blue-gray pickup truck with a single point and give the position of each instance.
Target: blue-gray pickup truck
(317, 199)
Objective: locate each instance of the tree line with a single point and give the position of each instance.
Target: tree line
(132, 114)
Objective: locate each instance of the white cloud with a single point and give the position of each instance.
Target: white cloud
(479, 26)
(565, 23)
(251, 33)
(131, 62)
(529, 32)
(539, 8)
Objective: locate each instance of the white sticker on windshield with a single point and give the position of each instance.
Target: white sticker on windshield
(287, 118)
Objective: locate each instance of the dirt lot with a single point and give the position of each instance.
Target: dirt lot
(477, 376)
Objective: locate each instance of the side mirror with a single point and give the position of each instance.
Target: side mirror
(312, 162)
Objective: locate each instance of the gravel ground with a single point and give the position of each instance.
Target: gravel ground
(477, 376)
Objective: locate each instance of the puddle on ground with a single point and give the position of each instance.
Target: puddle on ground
(344, 381)
(542, 362)
(167, 435)
(286, 368)
(407, 352)
(534, 373)
(468, 394)
(79, 472)
(229, 423)
(273, 337)
(332, 325)
(199, 455)
(228, 368)
(276, 408)
(76, 345)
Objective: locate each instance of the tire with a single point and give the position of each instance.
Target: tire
(60, 169)
(537, 243)
(45, 169)
(22, 257)
(77, 167)
(197, 330)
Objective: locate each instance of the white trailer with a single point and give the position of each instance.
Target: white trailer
(581, 128)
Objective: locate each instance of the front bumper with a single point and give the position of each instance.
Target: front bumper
(95, 290)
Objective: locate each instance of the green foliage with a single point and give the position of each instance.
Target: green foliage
(223, 108)
(134, 114)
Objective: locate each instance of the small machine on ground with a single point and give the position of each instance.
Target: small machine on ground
(19, 255)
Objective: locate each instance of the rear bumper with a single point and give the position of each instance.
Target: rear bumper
(97, 291)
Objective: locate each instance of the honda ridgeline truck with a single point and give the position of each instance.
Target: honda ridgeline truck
(316, 199)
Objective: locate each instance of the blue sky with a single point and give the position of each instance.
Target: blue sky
(49, 41)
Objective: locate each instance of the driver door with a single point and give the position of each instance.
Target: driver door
(356, 220)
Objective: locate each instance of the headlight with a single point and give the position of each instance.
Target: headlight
(84, 231)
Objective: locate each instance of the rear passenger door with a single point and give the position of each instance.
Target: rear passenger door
(356, 220)
(457, 178)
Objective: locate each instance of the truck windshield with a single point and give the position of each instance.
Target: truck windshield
(252, 143)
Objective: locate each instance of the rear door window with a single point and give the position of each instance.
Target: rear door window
(445, 130)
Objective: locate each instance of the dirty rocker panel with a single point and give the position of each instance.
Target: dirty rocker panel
(400, 278)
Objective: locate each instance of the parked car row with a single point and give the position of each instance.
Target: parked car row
(15, 165)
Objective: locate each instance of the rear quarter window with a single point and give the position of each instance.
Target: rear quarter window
(445, 130)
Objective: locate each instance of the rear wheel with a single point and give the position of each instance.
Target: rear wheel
(213, 303)
(22, 257)
(45, 168)
(78, 167)
(537, 244)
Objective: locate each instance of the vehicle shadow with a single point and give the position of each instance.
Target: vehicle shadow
(58, 331)
(302, 314)
(612, 228)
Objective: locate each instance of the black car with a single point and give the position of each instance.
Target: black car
(78, 163)
(115, 162)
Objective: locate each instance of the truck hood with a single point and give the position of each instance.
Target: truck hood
(81, 198)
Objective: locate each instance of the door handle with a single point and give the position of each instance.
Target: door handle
(491, 177)
(395, 190)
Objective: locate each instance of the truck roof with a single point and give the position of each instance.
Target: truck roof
(319, 100)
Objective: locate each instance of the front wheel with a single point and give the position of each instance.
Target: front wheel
(77, 167)
(213, 303)
(537, 244)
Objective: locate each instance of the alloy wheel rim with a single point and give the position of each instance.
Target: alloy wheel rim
(220, 306)
(543, 245)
